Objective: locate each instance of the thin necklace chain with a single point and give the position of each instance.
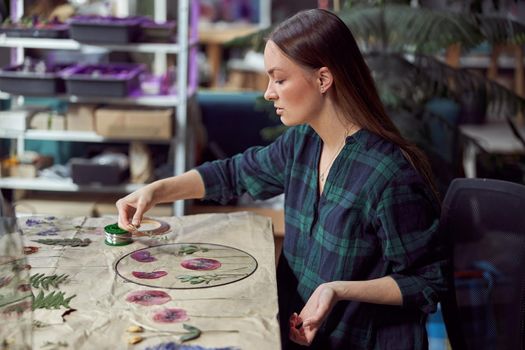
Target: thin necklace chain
(322, 177)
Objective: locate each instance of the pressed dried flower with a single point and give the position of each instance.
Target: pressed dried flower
(135, 339)
(170, 315)
(143, 256)
(135, 329)
(148, 297)
(203, 264)
(149, 275)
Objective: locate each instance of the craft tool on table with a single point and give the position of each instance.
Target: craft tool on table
(115, 236)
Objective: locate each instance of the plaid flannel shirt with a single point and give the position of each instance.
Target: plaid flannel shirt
(376, 217)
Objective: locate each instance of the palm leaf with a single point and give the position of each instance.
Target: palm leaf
(399, 82)
(500, 100)
(399, 27)
(501, 30)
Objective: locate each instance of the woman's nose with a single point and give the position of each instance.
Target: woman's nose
(269, 94)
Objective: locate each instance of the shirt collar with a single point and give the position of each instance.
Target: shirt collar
(364, 138)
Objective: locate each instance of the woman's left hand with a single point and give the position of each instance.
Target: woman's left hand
(304, 326)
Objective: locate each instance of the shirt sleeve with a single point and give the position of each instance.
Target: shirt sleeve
(408, 216)
(259, 171)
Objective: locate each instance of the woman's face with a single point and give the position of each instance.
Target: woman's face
(293, 89)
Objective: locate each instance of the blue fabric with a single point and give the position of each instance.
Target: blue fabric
(476, 309)
(437, 333)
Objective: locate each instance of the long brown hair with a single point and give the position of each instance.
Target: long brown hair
(318, 38)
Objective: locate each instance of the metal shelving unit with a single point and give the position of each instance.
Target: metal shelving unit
(67, 185)
(181, 48)
(72, 136)
(69, 44)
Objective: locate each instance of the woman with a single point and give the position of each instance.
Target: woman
(362, 262)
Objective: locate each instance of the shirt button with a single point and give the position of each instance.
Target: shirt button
(350, 140)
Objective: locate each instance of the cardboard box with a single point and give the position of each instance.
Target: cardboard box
(80, 117)
(4, 168)
(17, 120)
(135, 124)
(27, 171)
(58, 122)
(48, 121)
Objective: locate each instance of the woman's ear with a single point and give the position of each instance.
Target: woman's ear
(325, 79)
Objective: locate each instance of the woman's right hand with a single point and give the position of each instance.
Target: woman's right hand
(131, 208)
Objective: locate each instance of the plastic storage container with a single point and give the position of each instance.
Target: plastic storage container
(26, 80)
(109, 30)
(58, 31)
(158, 32)
(108, 80)
(34, 27)
(93, 172)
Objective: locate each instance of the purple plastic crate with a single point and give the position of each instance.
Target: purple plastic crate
(152, 31)
(56, 31)
(111, 80)
(109, 30)
(35, 27)
(17, 80)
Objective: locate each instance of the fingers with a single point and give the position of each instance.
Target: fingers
(130, 212)
(123, 215)
(295, 321)
(297, 331)
(298, 336)
(137, 217)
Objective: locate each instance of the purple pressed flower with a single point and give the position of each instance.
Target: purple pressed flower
(149, 275)
(143, 256)
(148, 297)
(201, 264)
(5, 280)
(33, 222)
(49, 232)
(176, 346)
(171, 315)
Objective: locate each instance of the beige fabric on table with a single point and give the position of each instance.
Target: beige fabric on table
(247, 307)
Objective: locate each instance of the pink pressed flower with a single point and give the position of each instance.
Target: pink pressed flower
(149, 275)
(201, 264)
(148, 297)
(171, 316)
(142, 256)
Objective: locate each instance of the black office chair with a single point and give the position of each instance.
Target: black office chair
(484, 220)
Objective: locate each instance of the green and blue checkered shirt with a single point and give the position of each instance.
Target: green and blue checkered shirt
(376, 217)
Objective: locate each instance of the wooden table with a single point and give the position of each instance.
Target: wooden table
(213, 272)
(495, 137)
(213, 38)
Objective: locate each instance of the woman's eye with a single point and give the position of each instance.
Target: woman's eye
(279, 81)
